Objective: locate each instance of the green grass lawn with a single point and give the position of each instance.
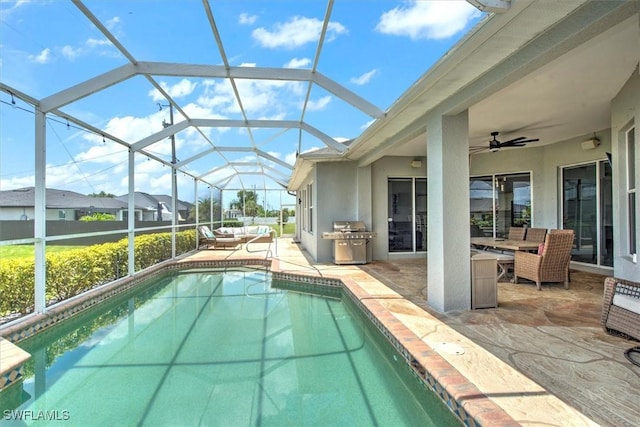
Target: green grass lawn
(28, 251)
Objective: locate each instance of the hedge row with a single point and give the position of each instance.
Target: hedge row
(72, 272)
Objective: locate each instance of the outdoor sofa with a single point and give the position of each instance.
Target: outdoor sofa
(621, 307)
(208, 239)
(254, 233)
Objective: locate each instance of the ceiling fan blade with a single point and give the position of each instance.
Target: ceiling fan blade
(520, 143)
(514, 140)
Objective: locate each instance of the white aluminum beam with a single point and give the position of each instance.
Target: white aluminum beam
(348, 96)
(273, 159)
(220, 71)
(159, 136)
(494, 6)
(275, 124)
(330, 142)
(260, 73)
(40, 212)
(87, 88)
(182, 163)
(214, 170)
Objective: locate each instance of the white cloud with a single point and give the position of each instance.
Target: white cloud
(296, 32)
(298, 63)
(266, 98)
(93, 43)
(427, 19)
(179, 90)
(43, 57)
(364, 78)
(246, 19)
(70, 52)
(113, 24)
(102, 47)
(320, 104)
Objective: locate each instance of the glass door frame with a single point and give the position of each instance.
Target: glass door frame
(599, 238)
(498, 179)
(415, 227)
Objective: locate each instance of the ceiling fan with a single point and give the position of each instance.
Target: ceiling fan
(495, 145)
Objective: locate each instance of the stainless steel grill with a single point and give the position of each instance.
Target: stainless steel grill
(350, 242)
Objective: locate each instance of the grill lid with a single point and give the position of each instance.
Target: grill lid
(348, 226)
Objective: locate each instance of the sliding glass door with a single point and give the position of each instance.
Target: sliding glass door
(407, 214)
(499, 202)
(587, 209)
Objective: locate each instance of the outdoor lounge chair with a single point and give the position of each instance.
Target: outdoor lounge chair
(551, 265)
(211, 241)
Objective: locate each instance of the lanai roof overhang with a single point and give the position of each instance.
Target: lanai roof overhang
(544, 69)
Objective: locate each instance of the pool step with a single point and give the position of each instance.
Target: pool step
(12, 359)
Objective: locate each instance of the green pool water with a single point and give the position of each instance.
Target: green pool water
(221, 348)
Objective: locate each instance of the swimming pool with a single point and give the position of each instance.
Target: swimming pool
(226, 347)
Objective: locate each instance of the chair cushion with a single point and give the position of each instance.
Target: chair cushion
(540, 248)
(627, 302)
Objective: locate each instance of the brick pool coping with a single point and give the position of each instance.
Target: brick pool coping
(464, 399)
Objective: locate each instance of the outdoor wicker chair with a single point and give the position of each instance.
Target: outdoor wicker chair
(551, 265)
(621, 307)
(536, 234)
(517, 233)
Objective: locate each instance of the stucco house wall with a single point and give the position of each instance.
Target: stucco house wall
(625, 112)
(336, 199)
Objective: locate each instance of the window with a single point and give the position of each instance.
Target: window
(631, 190)
(499, 202)
(62, 214)
(303, 201)
(310, 207)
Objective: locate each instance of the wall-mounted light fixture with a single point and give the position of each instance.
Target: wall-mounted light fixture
(416, 163)
(590, 144)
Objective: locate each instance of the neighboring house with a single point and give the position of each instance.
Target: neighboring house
(64, 205)
(183, 207)
(566, 73)
(61, 205)
(232, 213)
(152, 205)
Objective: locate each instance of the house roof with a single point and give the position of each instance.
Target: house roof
(63, 199)
(182, 205)
(541, 70)
(150, 202)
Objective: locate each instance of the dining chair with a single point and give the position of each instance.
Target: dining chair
(517, 233)
(536, 234)
(551, 265)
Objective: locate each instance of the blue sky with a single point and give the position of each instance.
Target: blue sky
(376, 49)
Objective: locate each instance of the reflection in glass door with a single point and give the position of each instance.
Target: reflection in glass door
(587, 209)
(499, 202)
(407, 214)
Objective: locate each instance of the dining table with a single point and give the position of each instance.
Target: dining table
(504, 244)
(505, 260)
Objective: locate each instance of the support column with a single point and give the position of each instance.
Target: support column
(448, 266)
(40, 208)
(131, 200)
